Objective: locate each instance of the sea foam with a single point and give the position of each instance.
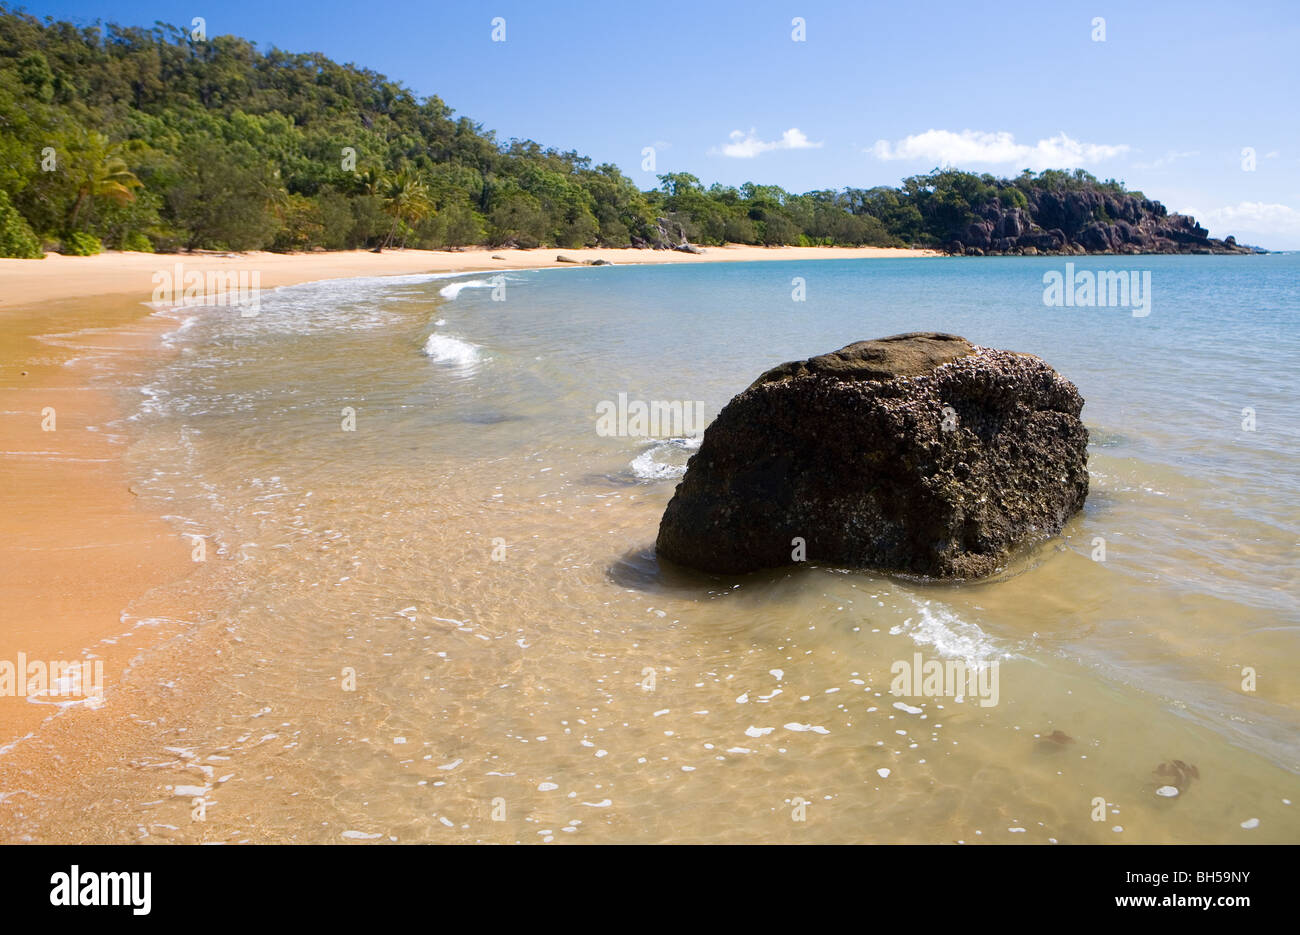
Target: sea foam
(453, 289)
(664, 459)
(949, 635)
(445, 349)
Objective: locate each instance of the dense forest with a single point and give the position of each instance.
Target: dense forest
(155, 140)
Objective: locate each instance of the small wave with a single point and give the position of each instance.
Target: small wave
(171, 337)
(665, 460)
(950, 636)
(448, 350)
(453, 289)
(155, 402)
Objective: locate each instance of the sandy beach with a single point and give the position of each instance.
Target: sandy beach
(396, 453)
(77, 546)
(112, 273)
(332, 554)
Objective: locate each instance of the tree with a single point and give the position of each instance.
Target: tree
(406, 200)
(16, 238)
(223, 197)
(219, 144)
(517, 217)
(778, 229)
(678, 184)
(99, 171)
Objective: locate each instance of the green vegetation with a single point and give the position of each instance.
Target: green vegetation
(146, 140)
(79, 243)
(16, 237)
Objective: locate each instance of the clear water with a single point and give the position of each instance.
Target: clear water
(576, 690)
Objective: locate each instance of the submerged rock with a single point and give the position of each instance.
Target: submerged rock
(919, 453)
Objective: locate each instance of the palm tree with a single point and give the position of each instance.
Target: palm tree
(406, 198)
(370, 181)
(99, 171)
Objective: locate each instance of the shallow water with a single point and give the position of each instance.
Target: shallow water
(482, 559)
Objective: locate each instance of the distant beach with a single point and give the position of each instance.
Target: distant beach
(116, 273)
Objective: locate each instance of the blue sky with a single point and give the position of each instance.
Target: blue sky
(875, 92)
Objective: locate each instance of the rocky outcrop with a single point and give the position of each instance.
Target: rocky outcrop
(667, 234)
(1084, 221)
(919, 453)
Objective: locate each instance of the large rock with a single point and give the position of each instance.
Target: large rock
(919, 453)
(667, 234)
(1083, 221)
(1096, 237)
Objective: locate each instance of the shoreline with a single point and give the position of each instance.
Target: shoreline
(78, 336)
(114, 273)
(78, 547)
(185, 672)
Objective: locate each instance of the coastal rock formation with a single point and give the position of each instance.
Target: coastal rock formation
(667, 234)
(919, 453)
(1085, 221)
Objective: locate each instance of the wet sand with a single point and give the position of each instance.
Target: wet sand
(78, 548)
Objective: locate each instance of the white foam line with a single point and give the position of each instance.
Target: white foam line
(949, 635)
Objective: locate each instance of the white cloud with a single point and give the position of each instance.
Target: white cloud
(946, 148)
(1272, 226)
(748, 145)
